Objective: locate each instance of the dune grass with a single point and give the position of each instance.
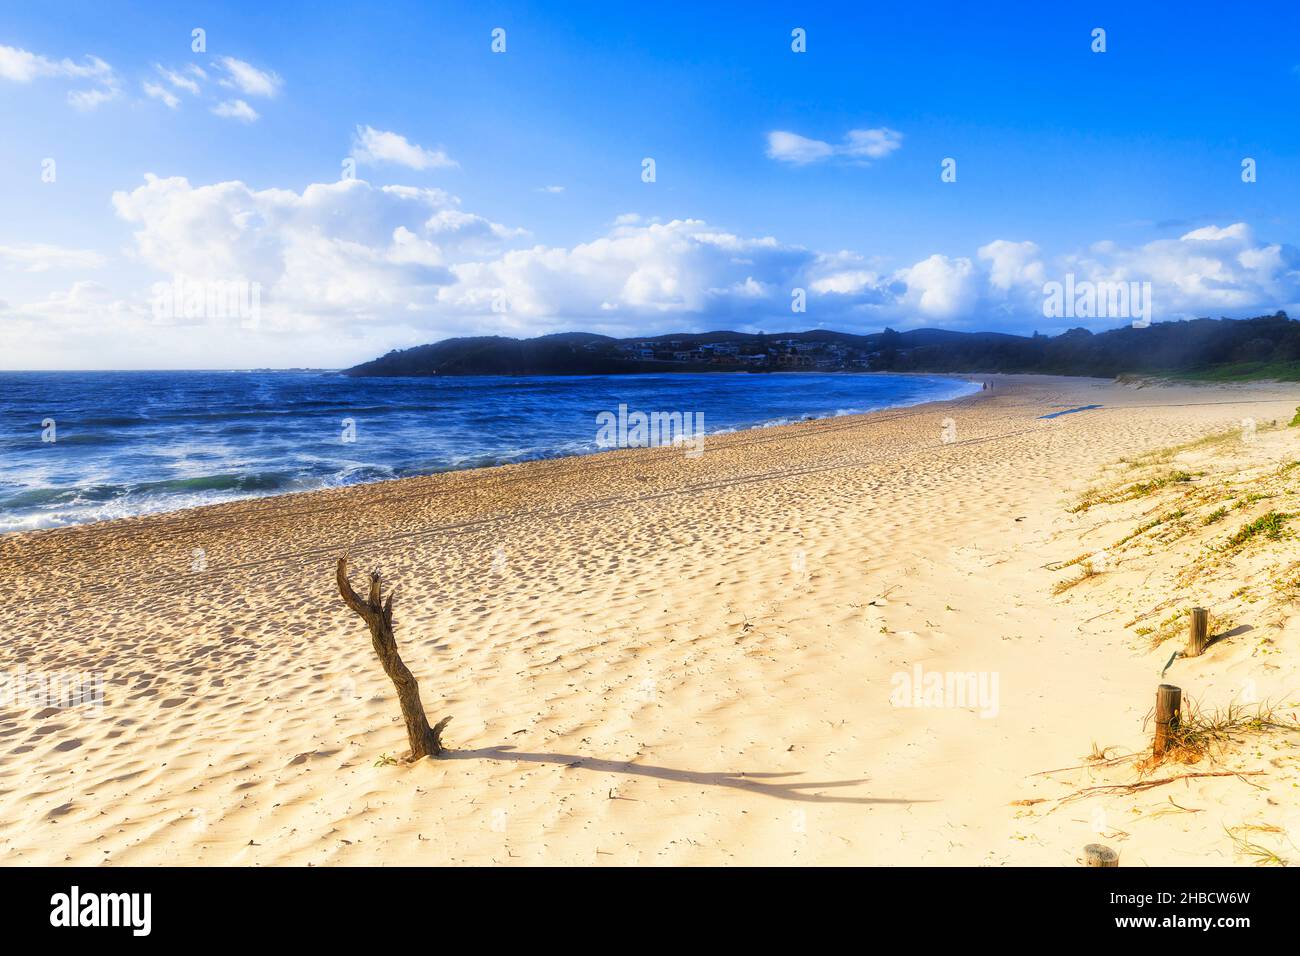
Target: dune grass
(1270, 526)
(1130, 492)
(1203, 735)
(1242, 372)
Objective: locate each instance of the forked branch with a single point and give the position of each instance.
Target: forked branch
(425, 741)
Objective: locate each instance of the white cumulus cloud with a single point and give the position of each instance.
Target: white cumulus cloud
(354, 251)
(236, 109)
(1012, 264)
(372, 145)
(941, 288)
(92, 98)
(187, 81)
(158, 92)
(334, 253)
(23, 66)
(793, 148)
(248, 79)
(859, 146)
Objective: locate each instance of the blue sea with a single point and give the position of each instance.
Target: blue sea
(77, 447)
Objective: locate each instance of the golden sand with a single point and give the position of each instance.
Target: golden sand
(656, 659)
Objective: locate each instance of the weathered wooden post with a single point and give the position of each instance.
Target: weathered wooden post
(1094, 854)
(425, 741)
(1169, 702)
(1198, 633)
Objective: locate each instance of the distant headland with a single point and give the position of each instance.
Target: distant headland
(1219, 349)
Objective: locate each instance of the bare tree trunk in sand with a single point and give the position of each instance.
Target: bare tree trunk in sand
(425, 741)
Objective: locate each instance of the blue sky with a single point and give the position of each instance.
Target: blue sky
(515, 202)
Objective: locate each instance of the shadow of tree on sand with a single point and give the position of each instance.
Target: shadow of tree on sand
(761, 783)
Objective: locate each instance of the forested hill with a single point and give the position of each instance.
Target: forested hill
(1267, 346)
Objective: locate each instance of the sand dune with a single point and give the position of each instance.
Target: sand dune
(655, 659)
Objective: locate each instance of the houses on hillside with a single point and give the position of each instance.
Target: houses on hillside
(778, 354)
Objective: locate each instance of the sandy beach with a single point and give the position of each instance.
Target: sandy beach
(652, 658)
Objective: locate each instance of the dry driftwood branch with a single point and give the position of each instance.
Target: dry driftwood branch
(425, 741)
(1148, 784)
(1109, 761)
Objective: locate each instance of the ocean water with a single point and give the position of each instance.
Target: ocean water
(129, 443)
